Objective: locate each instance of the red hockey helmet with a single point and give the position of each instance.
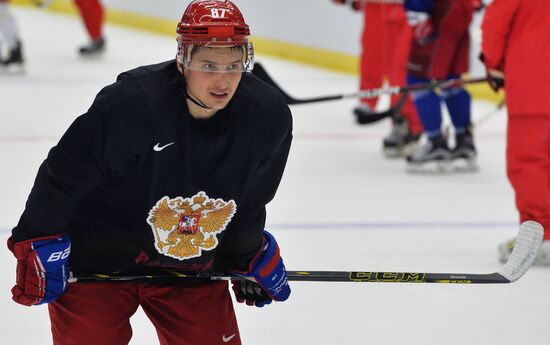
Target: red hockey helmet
(213, 23)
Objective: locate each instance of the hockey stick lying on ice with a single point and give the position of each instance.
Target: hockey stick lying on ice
(523, 255)
(261, 74)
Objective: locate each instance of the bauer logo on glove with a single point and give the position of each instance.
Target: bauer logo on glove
(42, 269)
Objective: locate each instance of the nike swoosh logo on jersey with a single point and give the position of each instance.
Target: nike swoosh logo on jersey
(160, 148)
(227, 339)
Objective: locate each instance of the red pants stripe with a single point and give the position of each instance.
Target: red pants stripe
(386, 42)
(92, 14)
(194, 313)
(528, 166)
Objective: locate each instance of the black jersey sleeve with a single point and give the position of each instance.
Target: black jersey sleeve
(67, 174)
(90, 150)
(245, 233)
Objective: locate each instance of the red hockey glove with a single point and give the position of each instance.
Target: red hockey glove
(422, 26)
(424, 32)
(42, 269)
(269, 273)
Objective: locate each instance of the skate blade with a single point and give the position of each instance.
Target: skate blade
(14, 69)
(95, 55)
(393, 152)
(410, 148)
(400, 152)
(465, 165)
(432, 167)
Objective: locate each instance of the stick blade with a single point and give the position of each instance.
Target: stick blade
(364, 119)
(525, 250)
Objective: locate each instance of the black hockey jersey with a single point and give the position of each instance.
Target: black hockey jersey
(138, 184)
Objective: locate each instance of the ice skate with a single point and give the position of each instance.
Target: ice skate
(94, 48)
(543, 257)
(464, 154)
(431, 157)
(14, 62)
(400, 142)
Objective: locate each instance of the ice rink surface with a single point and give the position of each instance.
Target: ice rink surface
(341, 206)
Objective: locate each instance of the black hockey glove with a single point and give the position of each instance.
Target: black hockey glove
(249, 292)
(495, 77)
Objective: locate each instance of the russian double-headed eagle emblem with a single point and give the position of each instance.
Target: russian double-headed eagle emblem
(183, 228)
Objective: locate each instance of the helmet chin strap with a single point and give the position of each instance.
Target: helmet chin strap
(197, 101)
(192, 99)
(187, 95)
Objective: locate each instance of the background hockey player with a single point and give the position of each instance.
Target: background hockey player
(439, 50)
(92, 14)
(93, 17)
(516, 51)
(171, 167)
(10, 39)
(385, 45)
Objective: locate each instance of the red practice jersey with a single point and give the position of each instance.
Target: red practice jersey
(448, 52)
(516, 39)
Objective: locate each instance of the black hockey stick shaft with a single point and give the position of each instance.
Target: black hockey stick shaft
(391, 90)
(313, 276)
(260, 72)
(395, 112)
(398, 277)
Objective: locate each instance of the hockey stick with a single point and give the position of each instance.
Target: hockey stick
(261, 74)
(523, 255)
(394, 112)
(490, 113)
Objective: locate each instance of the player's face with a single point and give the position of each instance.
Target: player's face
(213, 76)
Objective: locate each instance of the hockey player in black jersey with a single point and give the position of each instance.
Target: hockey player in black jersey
(170, 168)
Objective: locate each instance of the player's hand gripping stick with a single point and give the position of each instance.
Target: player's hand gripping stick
(42, 269)
(270, 280)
